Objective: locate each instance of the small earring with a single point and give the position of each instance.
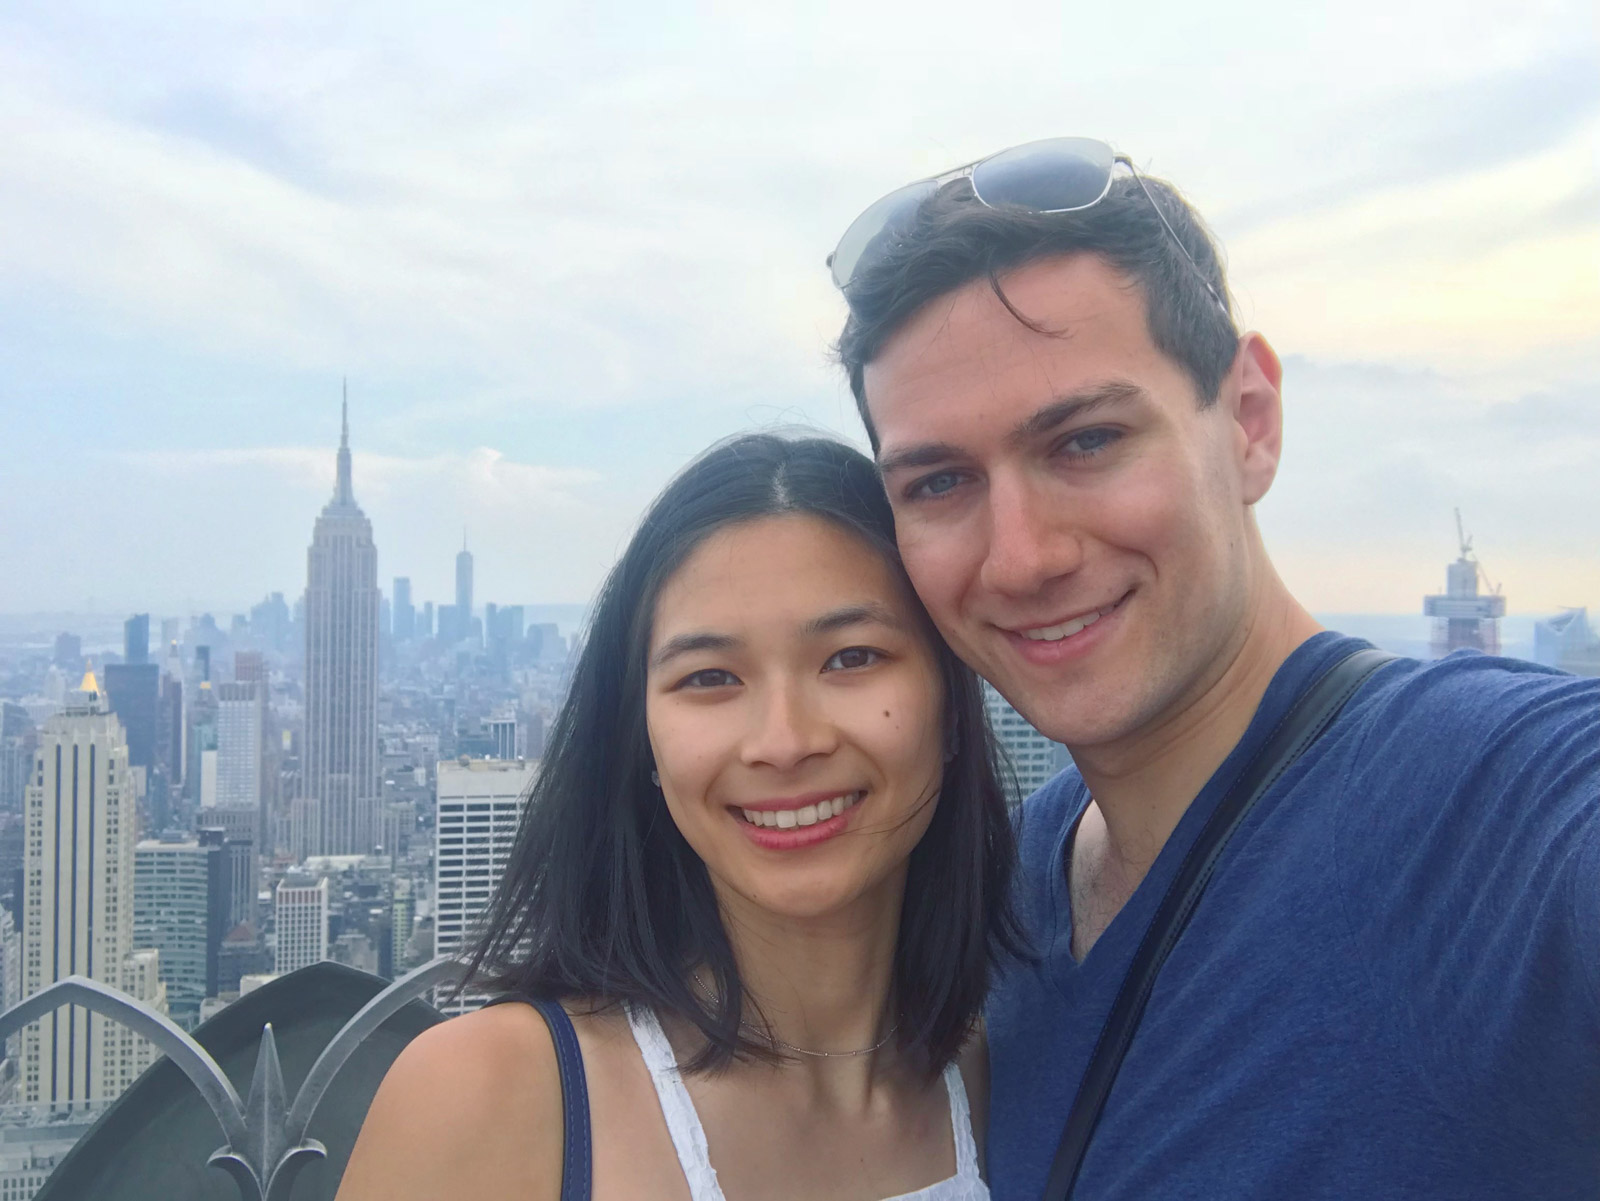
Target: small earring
(655, 778)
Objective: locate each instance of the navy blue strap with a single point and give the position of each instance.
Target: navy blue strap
(577, 1163)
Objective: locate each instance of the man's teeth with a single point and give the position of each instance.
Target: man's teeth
(1065, 630)
(807, 815)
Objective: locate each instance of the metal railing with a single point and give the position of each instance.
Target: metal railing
(266, 1136)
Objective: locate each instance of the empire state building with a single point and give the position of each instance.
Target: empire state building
(337, 812)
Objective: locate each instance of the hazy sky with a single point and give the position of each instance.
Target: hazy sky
(560, 248)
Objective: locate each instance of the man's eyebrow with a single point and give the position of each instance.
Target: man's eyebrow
(1063, 408)
(1075, 404)
(685, 644)
(923, 454)
(854, 615)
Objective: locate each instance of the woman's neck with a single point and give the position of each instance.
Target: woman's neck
(821, 983)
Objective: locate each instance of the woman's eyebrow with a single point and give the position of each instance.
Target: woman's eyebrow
(684, 644)
(853, 615)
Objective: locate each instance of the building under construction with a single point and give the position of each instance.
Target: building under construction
(1465, 617)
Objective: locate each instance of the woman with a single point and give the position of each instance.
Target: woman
(763, 871)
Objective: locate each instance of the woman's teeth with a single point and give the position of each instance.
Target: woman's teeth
(806, 815)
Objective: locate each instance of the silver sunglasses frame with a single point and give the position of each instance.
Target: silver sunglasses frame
(968, 170)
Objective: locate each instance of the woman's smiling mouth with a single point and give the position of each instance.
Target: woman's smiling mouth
(792, 823)
(785, 815)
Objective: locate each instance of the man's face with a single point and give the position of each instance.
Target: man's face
(1074, 521)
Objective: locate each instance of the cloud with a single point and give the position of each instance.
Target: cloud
(591, 237)
(243, 519)
(1377, 459)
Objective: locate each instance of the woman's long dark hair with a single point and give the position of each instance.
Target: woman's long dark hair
(604, 899)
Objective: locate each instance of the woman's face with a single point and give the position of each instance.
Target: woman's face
(795, 712)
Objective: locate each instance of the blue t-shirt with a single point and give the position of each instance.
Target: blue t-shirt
(1391, 988)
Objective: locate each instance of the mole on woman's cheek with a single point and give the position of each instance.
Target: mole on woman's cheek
(886, 713)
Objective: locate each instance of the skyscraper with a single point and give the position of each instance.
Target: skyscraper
(78, 904)
(133, 690)
(241, 720)
(339, 787)
(405, 616)
(480, 805)
(180, 907)
(301, 923)
(136, 639)
(17, 737)
(463, 613)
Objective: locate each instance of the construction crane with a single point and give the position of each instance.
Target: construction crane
(1465, 617)
(1467, 556)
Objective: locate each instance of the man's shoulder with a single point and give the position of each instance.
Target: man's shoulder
(1474, 704)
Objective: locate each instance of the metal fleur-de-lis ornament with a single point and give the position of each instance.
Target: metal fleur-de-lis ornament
(267, 1143)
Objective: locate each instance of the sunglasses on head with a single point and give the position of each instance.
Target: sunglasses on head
(1057, 175)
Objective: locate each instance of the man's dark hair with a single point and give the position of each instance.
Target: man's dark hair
(954, 239)
(603, 899)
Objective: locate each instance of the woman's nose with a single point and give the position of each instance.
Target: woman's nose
(789, 725)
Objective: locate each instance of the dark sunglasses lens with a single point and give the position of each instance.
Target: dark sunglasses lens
(877, 229)
(1053, 176)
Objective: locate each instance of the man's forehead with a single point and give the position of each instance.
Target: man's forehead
(1062, 325)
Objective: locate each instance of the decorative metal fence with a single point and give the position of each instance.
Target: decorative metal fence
(267, 1139)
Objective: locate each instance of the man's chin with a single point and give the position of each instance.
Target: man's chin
(1081, 719)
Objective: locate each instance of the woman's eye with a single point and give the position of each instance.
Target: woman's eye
(1089, 442)
(711, 677)
(852, 657)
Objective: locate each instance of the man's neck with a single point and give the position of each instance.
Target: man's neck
(1143, 784)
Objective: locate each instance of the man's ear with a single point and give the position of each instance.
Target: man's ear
(1257, 401)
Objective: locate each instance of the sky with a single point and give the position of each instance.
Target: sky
(558, 249)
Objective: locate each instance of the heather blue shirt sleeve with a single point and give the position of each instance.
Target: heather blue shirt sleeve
(1481, 921)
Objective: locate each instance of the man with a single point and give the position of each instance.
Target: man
(1391, 988)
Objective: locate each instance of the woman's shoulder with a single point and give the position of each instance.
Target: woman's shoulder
(471, 1105)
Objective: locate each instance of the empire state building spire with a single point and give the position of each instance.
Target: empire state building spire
(342, 492)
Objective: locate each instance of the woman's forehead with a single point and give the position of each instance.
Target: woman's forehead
(780, 572)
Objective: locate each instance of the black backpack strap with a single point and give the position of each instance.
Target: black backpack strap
(1305, 722)
(577, 1157)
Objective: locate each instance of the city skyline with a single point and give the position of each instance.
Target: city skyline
(580, 258)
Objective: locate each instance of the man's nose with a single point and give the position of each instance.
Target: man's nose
(1031, 541)
(789, 725)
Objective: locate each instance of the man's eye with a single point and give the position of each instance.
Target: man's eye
(852, 657)
(934, 485)
(1089, 442)
(711, 677)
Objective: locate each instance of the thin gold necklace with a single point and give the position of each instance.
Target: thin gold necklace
(783, 1046)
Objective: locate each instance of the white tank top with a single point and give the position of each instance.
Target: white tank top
(689, 1137)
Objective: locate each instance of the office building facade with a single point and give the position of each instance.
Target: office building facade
(301, 923)
(78, 904)
(180, 907)
(478, 807)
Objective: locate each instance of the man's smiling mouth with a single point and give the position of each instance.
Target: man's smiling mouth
(1073, 625)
